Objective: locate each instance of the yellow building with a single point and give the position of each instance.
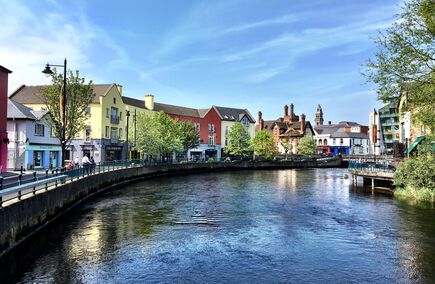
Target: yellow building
(104, 135)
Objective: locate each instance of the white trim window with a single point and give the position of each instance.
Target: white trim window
(211, 140)
(211, 128)
(88, 133)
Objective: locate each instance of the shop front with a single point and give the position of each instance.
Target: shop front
(340, 150)
(42, 156)
(323, 150)
(113, 153)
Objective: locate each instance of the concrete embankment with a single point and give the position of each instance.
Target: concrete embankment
(20, 220)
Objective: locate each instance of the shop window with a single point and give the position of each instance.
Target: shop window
(39, 129)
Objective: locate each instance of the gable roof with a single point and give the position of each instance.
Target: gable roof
(19, 111)
(32, 94)
(233, 114)
(5, 70)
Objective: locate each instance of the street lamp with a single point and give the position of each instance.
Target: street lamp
(127, 114)
(48, 72)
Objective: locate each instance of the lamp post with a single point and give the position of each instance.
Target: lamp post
(127, 114)
(48, 72)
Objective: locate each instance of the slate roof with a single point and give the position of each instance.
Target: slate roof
(19, 111)
(5, 70)
(32, 94)
(342, 134)
(234, 114)
(177, 110)
(134, 102)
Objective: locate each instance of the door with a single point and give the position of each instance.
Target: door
(11, 159)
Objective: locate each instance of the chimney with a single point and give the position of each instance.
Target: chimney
(292, 112)
(302, 123)
(285, 111)
(149, 102)
(329, 122)
(260, 121)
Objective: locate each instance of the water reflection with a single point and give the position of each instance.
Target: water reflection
(254, 226)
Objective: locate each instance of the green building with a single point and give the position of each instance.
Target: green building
(389, 122)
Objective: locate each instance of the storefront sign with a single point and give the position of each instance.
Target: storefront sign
(43, 147)
(407, 124)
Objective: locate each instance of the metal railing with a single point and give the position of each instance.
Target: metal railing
(372, 166)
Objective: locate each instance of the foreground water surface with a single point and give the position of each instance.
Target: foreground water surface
(286, 226)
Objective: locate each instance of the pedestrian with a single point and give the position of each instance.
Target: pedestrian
(92, 164)
(86, 163)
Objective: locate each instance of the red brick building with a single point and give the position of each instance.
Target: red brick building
(4, 73)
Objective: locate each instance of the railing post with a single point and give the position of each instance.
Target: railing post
(1, 184)
(34, 179)
(46, 177)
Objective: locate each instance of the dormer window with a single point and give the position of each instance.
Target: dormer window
(245, 121)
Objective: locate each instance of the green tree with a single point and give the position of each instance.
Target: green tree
(287, 146)
(188, 135)
(78, 97)
(263, 144)
(405, 61)
(306, 146)
(238, 141)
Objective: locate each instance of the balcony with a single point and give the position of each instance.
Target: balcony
(114, 119)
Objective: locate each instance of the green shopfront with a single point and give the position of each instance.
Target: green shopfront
(42, 156)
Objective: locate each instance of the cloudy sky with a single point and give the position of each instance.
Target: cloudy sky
(252, 54)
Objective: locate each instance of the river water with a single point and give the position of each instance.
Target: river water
(284, 226)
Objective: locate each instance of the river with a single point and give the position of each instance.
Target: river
(283, 226)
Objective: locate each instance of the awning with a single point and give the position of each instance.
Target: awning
(414, 144)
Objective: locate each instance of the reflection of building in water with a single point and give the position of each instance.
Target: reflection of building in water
(286, 179)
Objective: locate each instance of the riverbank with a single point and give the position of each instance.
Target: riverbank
(424, 195)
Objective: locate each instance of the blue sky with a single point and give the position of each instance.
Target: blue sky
(252, 54)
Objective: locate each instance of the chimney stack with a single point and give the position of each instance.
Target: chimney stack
(149, 102)
(303, 123)
(329, 122)
(285, 111)
(292, 112)
(260, 121)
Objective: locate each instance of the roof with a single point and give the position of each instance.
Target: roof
(177, 110)
(233, 114)
(3, 69)
(32, 94)
(19, 111)
(342, 134)
(134, 102)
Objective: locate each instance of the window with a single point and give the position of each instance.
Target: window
(197, 126)
(107, 112)
(120, 133)
(333, 141)
(325, 142)
(107, 131)
(211, 140)
(114, 118)
(341, 140)
(245, 121)
(211, 128)
(227, 130)
(114, 135)
(88, 111)
(87, 133)
(114, 101)
(320, 142)
(120, 116)
(39, 129)
(52, 132)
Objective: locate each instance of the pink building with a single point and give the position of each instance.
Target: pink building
(3, 118)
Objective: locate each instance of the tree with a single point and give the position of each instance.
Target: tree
(306, 146)
(405, 61)
(238, 141)
(263, 144)
(287, 146)
(188, 135)
(78, 97)
(159, 135)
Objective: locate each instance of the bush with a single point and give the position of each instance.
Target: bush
(417, 176)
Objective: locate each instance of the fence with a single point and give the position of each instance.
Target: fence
(370, 166)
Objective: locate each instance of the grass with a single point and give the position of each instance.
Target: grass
(425, 195)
